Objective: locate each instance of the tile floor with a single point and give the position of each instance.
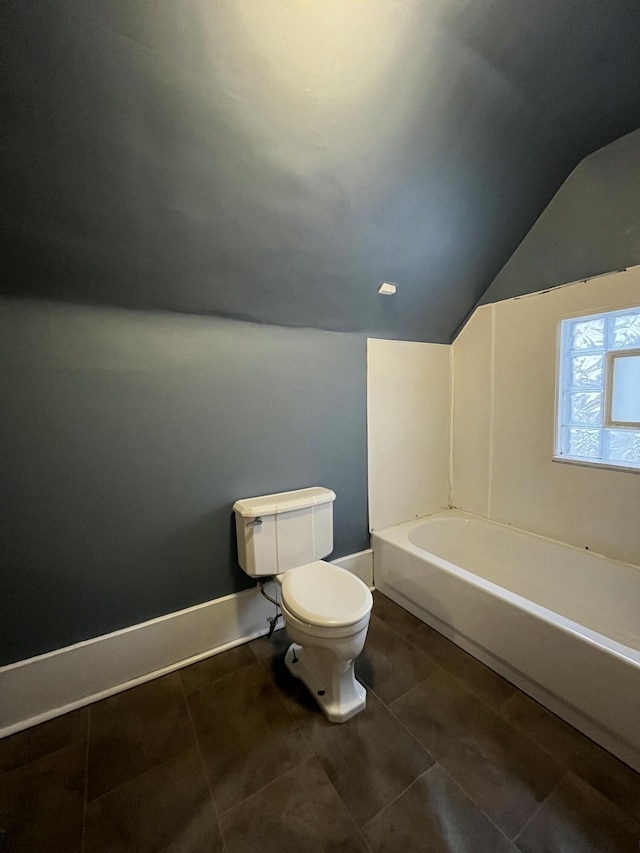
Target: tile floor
(231, 754)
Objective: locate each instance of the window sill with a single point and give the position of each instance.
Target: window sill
(596, 463)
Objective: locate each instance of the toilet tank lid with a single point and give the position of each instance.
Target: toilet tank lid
(283, 502)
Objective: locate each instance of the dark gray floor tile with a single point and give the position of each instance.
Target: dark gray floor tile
(389, 665)
(42, 803)
(33, 743)
(393, 615)
(168, 809)
(434, 815)
(210, 669)
(370, 759)
(504, 772)
(135, 731)
(299, 811)
(578, 819)
(478, 678)
(246, 734)
(297, 699)
(595, 765)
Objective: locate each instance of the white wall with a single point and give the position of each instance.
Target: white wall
(408, 425)
(503, 424)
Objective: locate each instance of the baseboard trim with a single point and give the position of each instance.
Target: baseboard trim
(40, 688)
(359, 564)
(35, 690)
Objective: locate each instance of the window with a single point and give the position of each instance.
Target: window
(599, 389)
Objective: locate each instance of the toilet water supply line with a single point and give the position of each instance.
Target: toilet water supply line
(273, 620)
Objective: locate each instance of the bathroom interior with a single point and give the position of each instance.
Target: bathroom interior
(201, 204)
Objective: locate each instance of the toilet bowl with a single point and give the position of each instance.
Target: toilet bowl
(325, 609)
(326, 613)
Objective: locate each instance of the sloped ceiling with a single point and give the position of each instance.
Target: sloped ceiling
(275, 160)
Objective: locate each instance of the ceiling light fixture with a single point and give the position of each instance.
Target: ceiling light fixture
(387, 289)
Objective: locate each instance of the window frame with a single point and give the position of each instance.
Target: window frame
(611, 357)
(562, 386)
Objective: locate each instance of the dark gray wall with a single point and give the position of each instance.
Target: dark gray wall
(591, 226)
(125, 439)
(275, 161)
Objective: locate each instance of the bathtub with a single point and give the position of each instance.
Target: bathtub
(561, 623)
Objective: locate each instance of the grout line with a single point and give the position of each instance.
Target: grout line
(503, 719)
(346, 808)
(466, 793)
(452, 390)
(466, 687)
(547, 750)
(267, 784)
(409, 732)
(201, 757)
(540, 805)
(492, 400)
(413, 687)
(206, 685)
(457, 679)
(477, 805)
(214, 807)
(441, 668)
(496, 711)
(297, 728)
(86, 783)
(402, 793)
(338, 794)
(500, 710)
(5, 773)
(140, 775)
(317, 758)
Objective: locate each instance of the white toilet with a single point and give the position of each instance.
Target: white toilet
(325, 608)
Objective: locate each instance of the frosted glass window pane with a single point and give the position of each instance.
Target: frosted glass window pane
(588, 334)
(583, 442)
(625, 395)
(626, 331)
(623, 446)
(599, 389)
(586, 371)
(585, 408)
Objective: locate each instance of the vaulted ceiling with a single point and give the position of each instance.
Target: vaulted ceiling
(276, 161)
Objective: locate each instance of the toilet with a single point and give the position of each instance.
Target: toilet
(325, 609)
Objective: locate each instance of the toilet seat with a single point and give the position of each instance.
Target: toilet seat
(323, 632)
(322, 595)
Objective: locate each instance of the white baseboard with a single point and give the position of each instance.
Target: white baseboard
(360, 564)
(40, 688)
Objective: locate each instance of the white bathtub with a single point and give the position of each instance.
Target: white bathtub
(561, 623)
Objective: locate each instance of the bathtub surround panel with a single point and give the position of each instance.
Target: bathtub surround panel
(590, 507)
(591, 226)
(126, 439)
(408, 424)
(472, 393)
(476, 582)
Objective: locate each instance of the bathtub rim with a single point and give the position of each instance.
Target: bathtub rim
(458, 512)
(397, 534)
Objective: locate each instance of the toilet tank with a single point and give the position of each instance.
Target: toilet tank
(285, 530)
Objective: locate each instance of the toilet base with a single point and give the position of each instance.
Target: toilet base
(331, 683)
